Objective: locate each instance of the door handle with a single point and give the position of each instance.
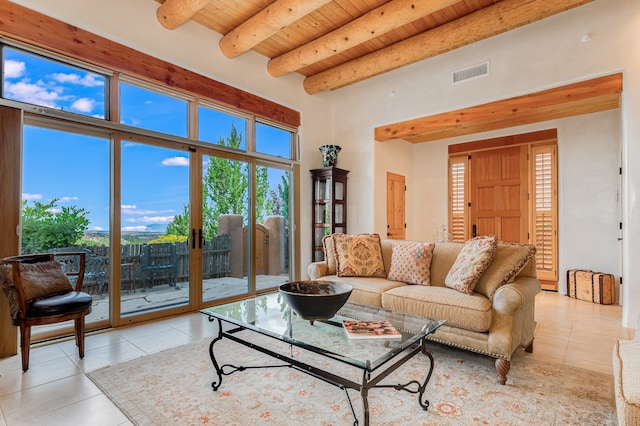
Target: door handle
(200, 238)
(193, 238)
(473, 231)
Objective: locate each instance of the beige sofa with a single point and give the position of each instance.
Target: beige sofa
(494, 324)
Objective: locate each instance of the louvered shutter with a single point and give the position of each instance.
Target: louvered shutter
(545, 211)
(458, 198)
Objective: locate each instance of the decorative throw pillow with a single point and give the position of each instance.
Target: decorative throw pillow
(411, 262)
(43, 279)
(509, 260)
(329, 253)
(359, 255)
(472, 261)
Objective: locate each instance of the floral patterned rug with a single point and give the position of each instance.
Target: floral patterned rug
(173, 387)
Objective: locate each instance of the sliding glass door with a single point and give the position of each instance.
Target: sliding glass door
(154, 228)
(65, 202)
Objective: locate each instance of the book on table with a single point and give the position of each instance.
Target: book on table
(373, 329)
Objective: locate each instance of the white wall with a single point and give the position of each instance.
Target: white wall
(542, 55)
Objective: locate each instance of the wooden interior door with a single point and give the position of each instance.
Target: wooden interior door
(396, 190)
(498, 194)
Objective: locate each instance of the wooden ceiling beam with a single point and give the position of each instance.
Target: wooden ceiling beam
(373, 24)
(266, 23)
(482, 24)
(173, 13)
(598, 94)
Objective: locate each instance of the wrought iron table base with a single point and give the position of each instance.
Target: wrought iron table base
(367, 382)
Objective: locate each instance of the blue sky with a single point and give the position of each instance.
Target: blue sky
(74, 168)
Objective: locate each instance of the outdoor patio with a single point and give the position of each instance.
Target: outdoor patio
(164, 295)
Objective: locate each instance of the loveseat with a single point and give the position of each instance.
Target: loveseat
(493, 316)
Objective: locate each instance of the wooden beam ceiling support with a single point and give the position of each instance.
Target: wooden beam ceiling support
(498, 18)
(598, 94)
(266, 23)
(173, 13)
(373, 24)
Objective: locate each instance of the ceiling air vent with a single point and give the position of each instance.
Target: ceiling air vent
(471, 72)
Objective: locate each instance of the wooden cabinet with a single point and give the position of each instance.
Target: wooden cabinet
(329, 208)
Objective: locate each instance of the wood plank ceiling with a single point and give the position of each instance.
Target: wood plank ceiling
(335, 43)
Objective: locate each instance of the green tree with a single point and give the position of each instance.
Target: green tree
(180, 224)
(280, 199)
(226, 191)
(225, 186)
(45, 226)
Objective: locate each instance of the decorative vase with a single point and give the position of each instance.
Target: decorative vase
(329, 155)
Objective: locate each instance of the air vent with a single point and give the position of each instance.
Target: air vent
(471, 72)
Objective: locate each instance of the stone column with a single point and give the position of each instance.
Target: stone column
(277, 244)
(232, 224)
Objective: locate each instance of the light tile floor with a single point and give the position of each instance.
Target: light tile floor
(56, 392)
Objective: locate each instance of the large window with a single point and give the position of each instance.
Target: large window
(34, 79)
(152, 110)
(165, 176)
(216, 126)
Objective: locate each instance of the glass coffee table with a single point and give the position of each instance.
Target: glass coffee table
(376, 358)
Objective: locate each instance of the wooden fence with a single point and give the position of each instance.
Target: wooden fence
(215, 257)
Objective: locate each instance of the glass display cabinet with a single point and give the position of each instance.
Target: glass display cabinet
(329, 209)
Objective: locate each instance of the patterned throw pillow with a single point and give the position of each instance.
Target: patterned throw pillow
(359, 255)
(509, 260)
(43, 279)
(411, 262)
(472, 261)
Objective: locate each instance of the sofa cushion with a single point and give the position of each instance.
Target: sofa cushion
(468, 311)
(411, 262)
(366, 291)
(359, 255)
(472, 261)
(508, 261)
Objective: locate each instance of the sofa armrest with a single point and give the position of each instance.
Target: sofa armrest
(511, 297)
(317, 270)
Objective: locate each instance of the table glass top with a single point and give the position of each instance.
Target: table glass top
(270, 315)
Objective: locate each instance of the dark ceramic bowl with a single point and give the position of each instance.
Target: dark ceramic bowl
(315, 300)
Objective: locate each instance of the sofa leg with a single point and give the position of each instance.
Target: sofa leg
(502, 367)
(529, 349)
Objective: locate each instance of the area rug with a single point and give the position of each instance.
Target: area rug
(173, 387)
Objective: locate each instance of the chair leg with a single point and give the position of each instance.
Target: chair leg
(25, 345)
(79, 322)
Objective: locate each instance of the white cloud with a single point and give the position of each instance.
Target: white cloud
(97, 228)
(13, 69)
(30, 197)
(83, 105)
(132, 209)
(134, 228)
(175, 161)
(67, 199)
(32, 93)
(88, 80)
(155, 219)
